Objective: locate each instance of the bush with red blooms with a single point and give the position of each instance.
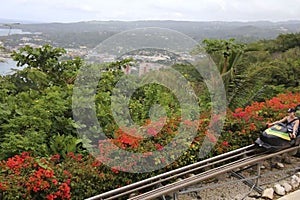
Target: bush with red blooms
(79, 177)
(25, 177)
(244, 125)
(241, 128)
(76, 177)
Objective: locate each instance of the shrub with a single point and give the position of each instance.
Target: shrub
(25, 177)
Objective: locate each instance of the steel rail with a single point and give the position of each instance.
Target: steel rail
(180, 174)
(214, 170)
(192, 167)
(173, 187)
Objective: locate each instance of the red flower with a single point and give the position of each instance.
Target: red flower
(25, 155)
(152, 131)
(225, 143)
(51, 197)
(96, 163)
(114, 170)
(252, 127)
(188, 123)
(159, 147)
(67, 173)
(71, 155)
(212, 138)
(55, 158)
(79, 157)
(54, 181)
(48, 173)
(65, 189)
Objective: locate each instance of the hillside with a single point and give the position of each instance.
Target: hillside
(90, 33)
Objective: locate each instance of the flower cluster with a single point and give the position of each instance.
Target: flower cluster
(244, 125)
(33, 179)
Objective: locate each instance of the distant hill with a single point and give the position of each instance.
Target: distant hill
(90, 33)
(8, 21)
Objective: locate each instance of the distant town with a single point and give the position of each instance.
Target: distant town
(79, 39)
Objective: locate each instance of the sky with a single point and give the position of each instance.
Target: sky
(130, 10)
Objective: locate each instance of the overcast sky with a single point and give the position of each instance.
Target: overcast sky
(191, 10)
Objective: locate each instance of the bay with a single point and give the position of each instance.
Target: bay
(7, 65)
(6, 31)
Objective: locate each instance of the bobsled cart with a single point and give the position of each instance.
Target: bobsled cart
(277, 138)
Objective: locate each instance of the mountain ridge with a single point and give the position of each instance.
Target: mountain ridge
(89, 33)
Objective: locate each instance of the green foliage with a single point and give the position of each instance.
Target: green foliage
(284, 42)
(64, 144)
(43, 67)
(36, 114)
(31, 141)
(38, 57)
(263, 73)
(227, 55)
(36, 101)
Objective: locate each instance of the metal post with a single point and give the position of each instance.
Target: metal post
(175, 195)
(258, 174)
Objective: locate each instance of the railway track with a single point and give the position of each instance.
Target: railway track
(204, 170)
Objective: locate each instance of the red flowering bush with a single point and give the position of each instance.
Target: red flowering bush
(79, 177)
(24, 177)
(154, 136)
(76, 177)
(244, 125)
(241, 128)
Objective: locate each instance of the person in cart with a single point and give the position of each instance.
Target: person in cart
(291, 121)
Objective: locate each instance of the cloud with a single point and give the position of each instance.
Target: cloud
(78, 10)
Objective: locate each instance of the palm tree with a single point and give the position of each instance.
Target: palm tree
(226, 54)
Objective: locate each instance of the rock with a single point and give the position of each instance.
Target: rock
(287, 187)
(287, 159)
(268, 193)
(242, 196)
(190, 175)
(296, 178)
(279, 165)
(267, 165)
(195, 195)
(132, 195)
(298, 174)
(221, 177)
(278, 189)
(276, 159)
(295, 181)
(238, 197)
(293, 152)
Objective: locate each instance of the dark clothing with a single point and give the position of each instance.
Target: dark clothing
(290, 125)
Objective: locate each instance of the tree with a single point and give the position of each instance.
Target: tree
(44, 67)
(226, 54)
(36, 101)
(263, 75)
